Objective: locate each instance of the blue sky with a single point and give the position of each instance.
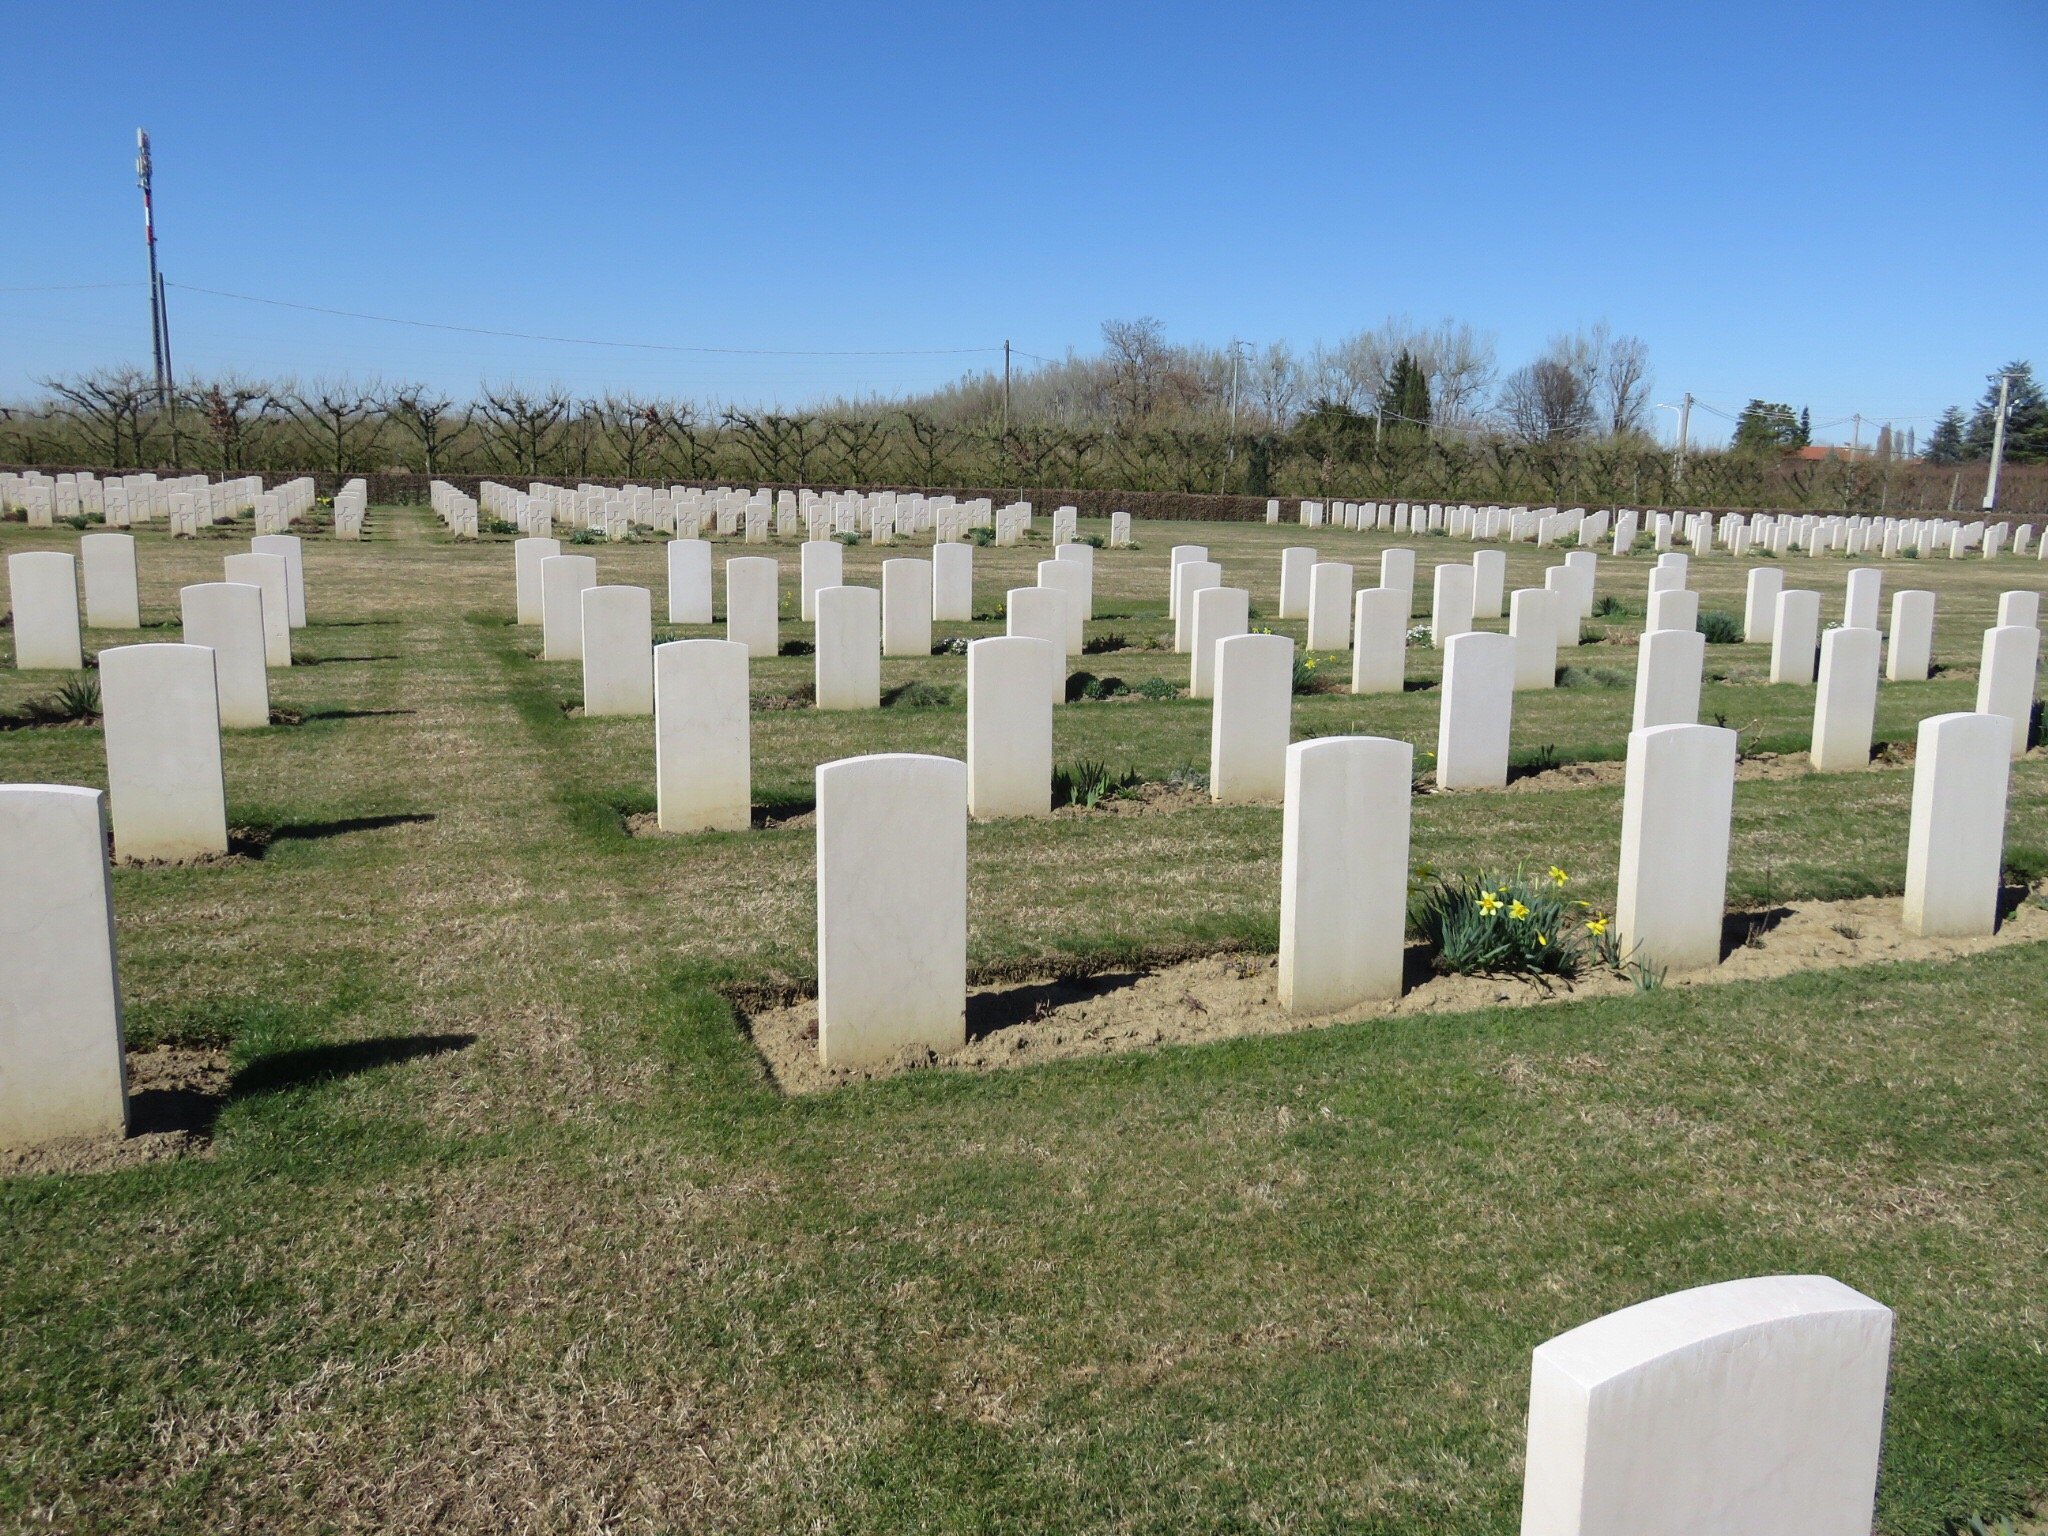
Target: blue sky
(1841, 206)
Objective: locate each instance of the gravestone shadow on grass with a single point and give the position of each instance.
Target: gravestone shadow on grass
(190, 1100)
(256, 839)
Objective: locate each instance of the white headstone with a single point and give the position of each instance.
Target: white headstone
(63, 1073)
(288, 548)
(1668, 667)
(752, 617)
(848, 669)
(689, 581)
(2005, 677)
(227, 617)
(112, 600)
(892, 907)
(1252, 718)
(1009, 725)
(1955, 851)
(165, 792)
(702, 772)
(1760, 608)
(1040, 613)
(1450, 609)
(1735, 1409)
(1476, 712)
(273, 575)
(906, 608)
(1911, 650)
(1845, 704)
(1329, 606)
(618, 651)
(953, 583)
(1379, 640)
(1295, 564)
(1532, 625)
(1794, 636)
(1344, 871)
(527, 555)
(1677, 800)
(563, 579)
(1220, 612)
(43, 589)
(823, 564)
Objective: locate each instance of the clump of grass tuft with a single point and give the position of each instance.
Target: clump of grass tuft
(1092, 540)
(76, 702)
(1508, 925)
(1608, 606)
(1593, 677)
(919, 695)
(1088, 782)
(1720, 628)
(850, 540)
(981, 536)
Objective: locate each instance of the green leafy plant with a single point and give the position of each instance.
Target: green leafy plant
(1720, 628)
(955, 645)
(850, 540)
(76, 702)
(1608, 606)
(1105, 688)
(1157, 688)
(1308, 673)
(1517, 925)
(982, 537)
(1108, 640)
(1088, 782)
(1092, 540)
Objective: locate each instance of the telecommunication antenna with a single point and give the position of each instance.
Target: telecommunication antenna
(158, 335)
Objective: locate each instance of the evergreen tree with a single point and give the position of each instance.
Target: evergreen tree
(1766, 427)
(1805, 428)
(1405, 395)
(2026, 422)
(1945, 443)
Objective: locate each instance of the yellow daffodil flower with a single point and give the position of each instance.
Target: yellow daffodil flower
(1518, 911)
(1488, 903)
(1558, 876)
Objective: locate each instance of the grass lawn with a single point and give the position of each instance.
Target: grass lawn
(502, 1225)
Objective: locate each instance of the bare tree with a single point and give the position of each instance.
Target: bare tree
(1551, 399)
(335, 418)
(1275, 385)
(859, 440)
(931, 445)
(229, 409)
(1625, 385)
(1459, 362)
(779, 446)
(429, 417)
(519, 427)
(109, 408)
(633, 428)
(1137, 363)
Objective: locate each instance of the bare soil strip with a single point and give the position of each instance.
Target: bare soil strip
(1222, 997)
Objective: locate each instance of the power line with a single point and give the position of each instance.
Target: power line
(586, 341)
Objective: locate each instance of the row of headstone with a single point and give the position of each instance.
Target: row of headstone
(187, 502)
(1738, 533)
(351, 508)
(1345, 843)
(697, 512)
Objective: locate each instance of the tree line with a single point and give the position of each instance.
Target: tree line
(1399, 411)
